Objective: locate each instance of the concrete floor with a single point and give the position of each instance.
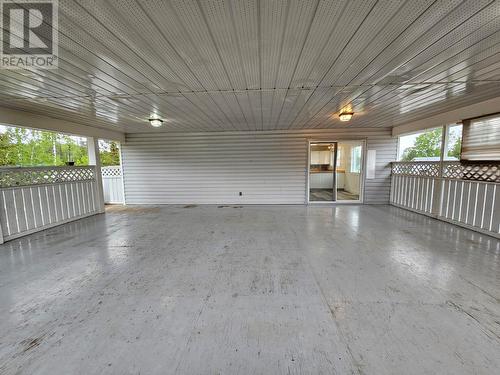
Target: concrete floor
(252, 290)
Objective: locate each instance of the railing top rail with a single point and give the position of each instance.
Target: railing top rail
(445, 162)
(416, 162)
(6, 169)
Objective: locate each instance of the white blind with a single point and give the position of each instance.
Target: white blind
(481, 139)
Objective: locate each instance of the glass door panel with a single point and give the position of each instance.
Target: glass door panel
(322, 174)
(350, 156)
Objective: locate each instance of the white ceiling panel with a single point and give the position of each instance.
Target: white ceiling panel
(226, 65)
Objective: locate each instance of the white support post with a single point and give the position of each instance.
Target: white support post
(95, 159)
(122, 174)
(437, 200)
(1, 232)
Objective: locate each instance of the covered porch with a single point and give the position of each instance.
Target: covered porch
(300, 187)
(227, 289)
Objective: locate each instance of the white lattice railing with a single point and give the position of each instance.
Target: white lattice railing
(111, 171)
(424, 169)
(19, 176)
(32, 199)
(112, 184)
(488, 172)
(464, 194)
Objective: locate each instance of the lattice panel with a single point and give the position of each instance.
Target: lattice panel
(476, 172)
(427, 169)
(488, 172)
(11, 177)
(113, 171)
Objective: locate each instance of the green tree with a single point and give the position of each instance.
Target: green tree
(455, 150)
(8, 155)
(427, 144)
(109, 152)
(26, 147)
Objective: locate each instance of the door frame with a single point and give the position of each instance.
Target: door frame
(361, 172)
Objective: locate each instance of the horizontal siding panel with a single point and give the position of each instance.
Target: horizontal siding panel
(212, 168)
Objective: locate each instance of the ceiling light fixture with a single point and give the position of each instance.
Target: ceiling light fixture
(155, 122)
(345, 116)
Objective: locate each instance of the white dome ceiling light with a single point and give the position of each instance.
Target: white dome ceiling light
(345, 116)
(156, 122)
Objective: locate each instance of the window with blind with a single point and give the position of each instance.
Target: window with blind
(481, 139)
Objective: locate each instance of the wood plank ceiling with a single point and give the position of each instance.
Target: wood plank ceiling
(216, 65)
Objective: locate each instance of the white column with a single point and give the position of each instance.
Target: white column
(437, 200)
(1, 232)
(95, 159)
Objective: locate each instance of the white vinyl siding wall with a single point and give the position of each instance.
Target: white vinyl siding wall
(212, 168)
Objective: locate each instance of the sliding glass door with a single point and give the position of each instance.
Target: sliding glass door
(335, 171)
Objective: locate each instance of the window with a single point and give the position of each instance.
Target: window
(422, 146)
(476, 139)
(356, 159)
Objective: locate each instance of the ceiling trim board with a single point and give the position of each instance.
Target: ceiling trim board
(450, 117)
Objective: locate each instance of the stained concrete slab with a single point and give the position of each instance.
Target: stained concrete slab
(251, 290)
